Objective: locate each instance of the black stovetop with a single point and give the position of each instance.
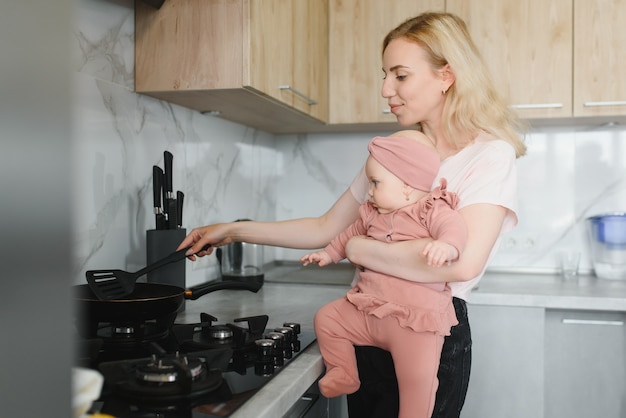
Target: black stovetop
(219, 375)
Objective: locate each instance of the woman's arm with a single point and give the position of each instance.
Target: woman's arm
(302, 233)
(404, 259)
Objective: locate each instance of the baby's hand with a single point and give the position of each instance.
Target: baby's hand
(319, 257)
(438, 253)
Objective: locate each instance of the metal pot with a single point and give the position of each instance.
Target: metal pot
(241, 261)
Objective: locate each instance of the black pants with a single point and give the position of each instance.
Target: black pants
(378, 395)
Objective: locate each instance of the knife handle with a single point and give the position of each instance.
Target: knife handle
(168, 159)
(157, 189)
(180, 198)
(157, 184)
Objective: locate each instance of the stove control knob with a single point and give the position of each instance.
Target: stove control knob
(294, 326)
(279, 347)
(290, 337)
(264, 364)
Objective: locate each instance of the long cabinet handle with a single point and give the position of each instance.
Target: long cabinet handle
(568, 321)
(608, 103)
(538, 106)
(297, 93)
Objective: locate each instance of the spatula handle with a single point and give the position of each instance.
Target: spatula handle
(175, 256)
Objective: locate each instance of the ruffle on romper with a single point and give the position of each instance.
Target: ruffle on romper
(414, 306)
(438, 193)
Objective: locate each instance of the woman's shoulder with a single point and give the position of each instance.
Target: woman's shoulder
(490, 145)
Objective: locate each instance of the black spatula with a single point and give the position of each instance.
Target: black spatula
(115, 284)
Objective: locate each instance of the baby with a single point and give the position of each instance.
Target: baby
(408, 319)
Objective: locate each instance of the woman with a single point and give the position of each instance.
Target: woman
(435, 80)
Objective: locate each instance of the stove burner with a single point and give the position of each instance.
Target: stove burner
(220, 332)
(126, 330)
(165, 370)
(167, 377)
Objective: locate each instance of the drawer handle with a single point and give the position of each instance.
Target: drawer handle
(609, 103)
(297, 93)
(538, 106)
(592, 322)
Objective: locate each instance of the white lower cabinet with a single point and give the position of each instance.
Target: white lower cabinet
(507, 362)
(546, 363)
(585, 364)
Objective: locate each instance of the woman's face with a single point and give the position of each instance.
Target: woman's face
(411, 87)
(387, 192)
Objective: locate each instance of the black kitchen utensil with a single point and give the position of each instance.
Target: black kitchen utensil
(180, 198)
(170, 202)
(116, 284)
(157, 189)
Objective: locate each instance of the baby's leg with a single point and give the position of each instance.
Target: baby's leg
(338, 327)
(416, 359)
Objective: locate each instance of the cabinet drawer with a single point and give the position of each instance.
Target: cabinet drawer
(585, 364)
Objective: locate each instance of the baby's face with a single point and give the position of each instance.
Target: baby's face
(387, 192)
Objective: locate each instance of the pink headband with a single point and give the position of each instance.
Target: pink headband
(415, 164)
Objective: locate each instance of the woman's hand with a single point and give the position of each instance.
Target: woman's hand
(215, 235)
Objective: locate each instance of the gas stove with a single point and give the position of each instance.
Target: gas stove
(204, 369)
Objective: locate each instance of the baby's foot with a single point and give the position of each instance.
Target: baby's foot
(336, 383)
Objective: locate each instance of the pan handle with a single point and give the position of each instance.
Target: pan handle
(195, 292)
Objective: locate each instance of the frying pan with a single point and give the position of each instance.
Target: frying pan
(147, 301)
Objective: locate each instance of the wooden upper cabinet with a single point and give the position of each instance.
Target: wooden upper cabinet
(527, 46)
(599, 57)
(357, 29)
(262, 63)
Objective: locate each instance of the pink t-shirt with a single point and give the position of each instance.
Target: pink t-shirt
(483, 172)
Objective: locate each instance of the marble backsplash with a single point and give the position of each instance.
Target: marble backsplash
(229, 171)
(568, 174)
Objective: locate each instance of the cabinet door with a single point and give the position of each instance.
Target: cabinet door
(270, 40)
(310, 57)
(288, 53)
(357, 29)
(527, 46)
(506, 379)
(585, 364)
(599, 58)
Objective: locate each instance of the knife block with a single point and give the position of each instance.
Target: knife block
(159, 244)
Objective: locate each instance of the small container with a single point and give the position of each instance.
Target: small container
(607, 236)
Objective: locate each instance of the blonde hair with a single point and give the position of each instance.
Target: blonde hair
(472, 102)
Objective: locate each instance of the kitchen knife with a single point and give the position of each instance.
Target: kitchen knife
(180, 198)
(164, 200)
(157, 186)
(170, 202)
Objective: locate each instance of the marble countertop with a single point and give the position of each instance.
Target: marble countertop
(290, 295)
(550, 291)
